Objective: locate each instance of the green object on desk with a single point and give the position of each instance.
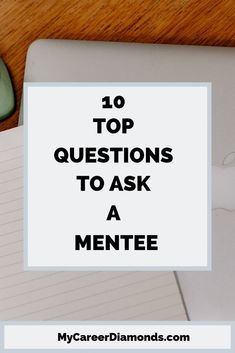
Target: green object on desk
(7, 99)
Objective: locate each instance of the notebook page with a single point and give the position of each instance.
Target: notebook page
(68, 295)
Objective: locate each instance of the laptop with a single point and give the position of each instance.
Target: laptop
(207, 295)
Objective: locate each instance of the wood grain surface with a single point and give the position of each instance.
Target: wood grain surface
(203, 22)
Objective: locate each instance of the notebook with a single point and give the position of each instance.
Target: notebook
(68, 295)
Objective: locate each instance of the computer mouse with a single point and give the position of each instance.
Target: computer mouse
(7, 99)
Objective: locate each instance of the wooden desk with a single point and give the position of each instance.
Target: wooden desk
(209, 22)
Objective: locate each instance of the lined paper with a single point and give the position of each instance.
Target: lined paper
(68, 295)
